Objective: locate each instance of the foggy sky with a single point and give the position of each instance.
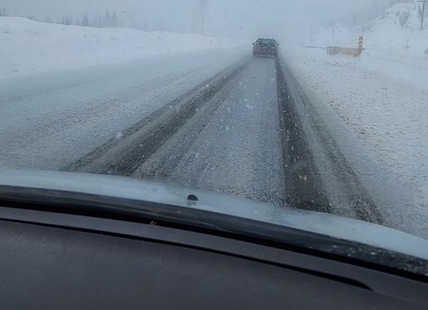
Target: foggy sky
(234, 18)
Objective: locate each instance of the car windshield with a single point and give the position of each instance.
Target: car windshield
(331, 118)
(265, 41)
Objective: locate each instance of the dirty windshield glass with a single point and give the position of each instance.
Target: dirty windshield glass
(328, 114)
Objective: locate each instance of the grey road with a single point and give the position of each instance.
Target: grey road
(47, 121)
(238, 151)
(225, 122)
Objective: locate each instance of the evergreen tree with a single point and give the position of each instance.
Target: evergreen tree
(146, 27)
(114, 20)
(85, 21)
(107, 20)
(66, 20)
(97, 22)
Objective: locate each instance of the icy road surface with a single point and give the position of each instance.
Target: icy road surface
(239, 150)
(225, 122)
(50, 120)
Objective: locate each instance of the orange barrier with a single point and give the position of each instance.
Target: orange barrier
(334, 50)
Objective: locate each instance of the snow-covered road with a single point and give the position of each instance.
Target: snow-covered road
(214, 121)
(237, 134)
(47, 121)
(238, 151)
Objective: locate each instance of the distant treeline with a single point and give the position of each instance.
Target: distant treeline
(112, 19)
(3, 12)
(109, 20)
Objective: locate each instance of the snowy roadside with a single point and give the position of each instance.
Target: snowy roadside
(393, 37)
(30, 47)
(395, 34)
(383, 105)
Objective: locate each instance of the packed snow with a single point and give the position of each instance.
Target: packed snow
(381, 98)
(30, 47)
(49, 120)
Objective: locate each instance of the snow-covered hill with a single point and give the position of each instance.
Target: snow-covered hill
(397, 30)
(29, 47)
(376, 106)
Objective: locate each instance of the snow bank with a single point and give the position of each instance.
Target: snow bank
(30, 47)
(380, 101)
(381, 107)
(396, 31)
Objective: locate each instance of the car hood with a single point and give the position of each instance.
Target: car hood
(163, 192)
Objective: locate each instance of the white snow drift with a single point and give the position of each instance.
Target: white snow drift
(381, 100)
(29, 47)
(396, 31)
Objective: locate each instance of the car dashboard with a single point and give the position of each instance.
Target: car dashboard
(53, 260)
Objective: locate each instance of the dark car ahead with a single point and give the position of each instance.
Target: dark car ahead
(265, 47)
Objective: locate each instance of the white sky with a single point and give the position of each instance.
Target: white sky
(236, 18)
